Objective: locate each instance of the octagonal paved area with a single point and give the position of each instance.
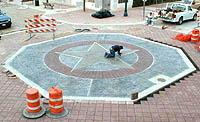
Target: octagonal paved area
(179, 103)
(76, 64)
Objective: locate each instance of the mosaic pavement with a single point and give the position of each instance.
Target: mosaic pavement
(76, 64)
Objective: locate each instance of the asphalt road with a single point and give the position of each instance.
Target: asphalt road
(18, 15)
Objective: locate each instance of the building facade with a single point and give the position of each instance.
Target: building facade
(97, 4)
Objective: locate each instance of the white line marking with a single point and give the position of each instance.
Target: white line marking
(90, 87)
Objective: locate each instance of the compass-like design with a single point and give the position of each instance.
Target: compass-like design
(94, 55)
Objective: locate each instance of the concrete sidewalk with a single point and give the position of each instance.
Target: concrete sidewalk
(79, 17)
(75, 15)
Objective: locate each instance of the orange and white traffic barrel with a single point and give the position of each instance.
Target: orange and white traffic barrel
(33, 109)
(56, 107)
(195, 35)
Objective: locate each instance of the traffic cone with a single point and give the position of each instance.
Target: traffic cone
(33, 109)
(56, 107)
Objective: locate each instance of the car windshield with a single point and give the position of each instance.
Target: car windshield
(178, 6)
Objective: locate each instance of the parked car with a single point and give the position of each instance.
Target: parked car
(178, 12)
(5, 21)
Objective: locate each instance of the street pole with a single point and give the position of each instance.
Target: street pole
(125, 10)
(156, 4)
(103, 4)
(143, 9)
(84, 5)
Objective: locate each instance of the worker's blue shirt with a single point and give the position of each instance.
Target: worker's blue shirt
(116, 48)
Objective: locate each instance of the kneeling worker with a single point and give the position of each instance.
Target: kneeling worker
(113, 49)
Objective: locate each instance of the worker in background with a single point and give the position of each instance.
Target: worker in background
(113, 49)
(150, 19)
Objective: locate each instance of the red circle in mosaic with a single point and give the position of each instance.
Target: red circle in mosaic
(145, 60)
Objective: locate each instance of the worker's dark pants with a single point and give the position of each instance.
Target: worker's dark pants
(112, 54)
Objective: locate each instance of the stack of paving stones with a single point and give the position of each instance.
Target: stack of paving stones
(9, 74)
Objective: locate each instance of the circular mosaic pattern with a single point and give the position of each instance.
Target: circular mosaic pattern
(52, 60)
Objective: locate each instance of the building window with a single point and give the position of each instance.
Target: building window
(121, 1)
(91, 1)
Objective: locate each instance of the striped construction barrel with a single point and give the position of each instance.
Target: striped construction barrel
(56, 107)
(56, 100)
(195, 35)
(33, 109)
(33, 100)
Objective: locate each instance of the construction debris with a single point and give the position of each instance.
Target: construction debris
(9, 74)
(164, 27)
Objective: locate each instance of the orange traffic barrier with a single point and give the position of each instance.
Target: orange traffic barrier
(33, 109)
(36, 17)
(34, 26)
(195, 35)
(186, 38)
(183, 38)
(56, 107)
